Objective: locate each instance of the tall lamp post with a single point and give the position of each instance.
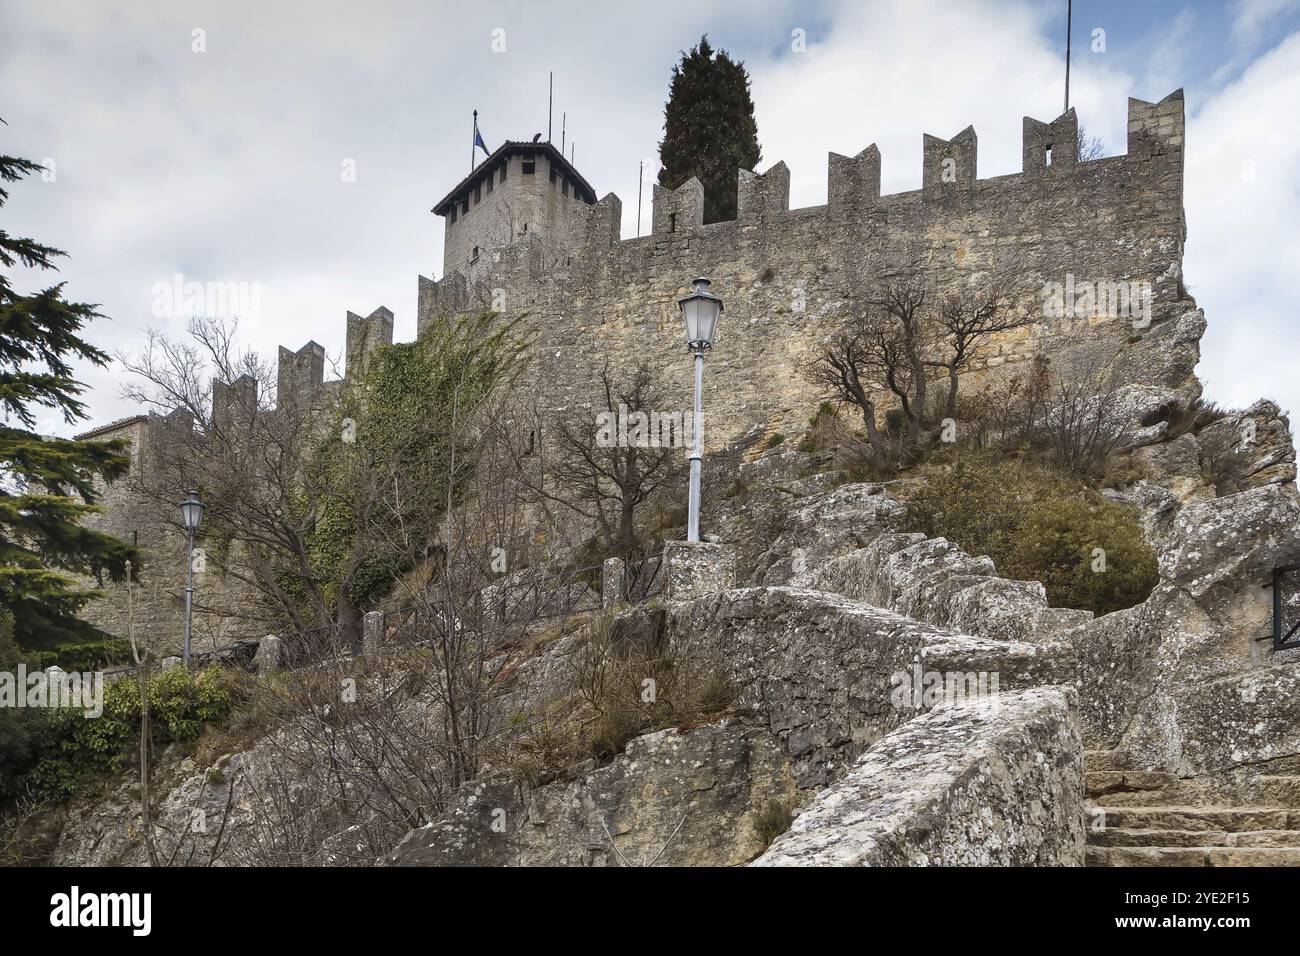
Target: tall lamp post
(191, 515)
(700, 312)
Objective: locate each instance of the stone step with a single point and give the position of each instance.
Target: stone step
(1233, 819)
(1175, 839)
(1105, 760)
(1103, 782)
(1139, 788)
(1192, 856)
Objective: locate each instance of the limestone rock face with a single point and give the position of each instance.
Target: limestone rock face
(934, 581)
(1182, 681)
(998, 782)
(1176, 466)
(824, 669)
(108, 831)
(673, 798)
(1250, 448)
(827, 525)
(1228, 540)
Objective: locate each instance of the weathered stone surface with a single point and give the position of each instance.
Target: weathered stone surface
(1176, 466)
(1117, 663)
(698, 568)
(611, 582)
(1255, 445)
(673, 799)
(1229, 538)
(995, 782)
(108, 830)
(1181, 682)
(825, 526)
(824, 669)
(372, 637)
(933, 580)
(269, 654)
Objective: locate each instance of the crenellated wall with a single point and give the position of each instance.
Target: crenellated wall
(791, 276)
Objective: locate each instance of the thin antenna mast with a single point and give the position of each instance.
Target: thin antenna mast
(640, 181)
(550, 98)
(1069, 22)
(564, 119)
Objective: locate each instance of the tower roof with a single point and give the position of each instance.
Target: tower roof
(509, 148)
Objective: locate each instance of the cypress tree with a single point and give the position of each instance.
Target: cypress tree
(709, 128)
(47, 485)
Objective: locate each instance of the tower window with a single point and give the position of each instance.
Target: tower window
(451, 216)
(478, 194)
(552, 175)
(474, 256)
(464, 206)
(488, 183)
(503, 172)
(564, 187)
(529, 166)
(1047, 155)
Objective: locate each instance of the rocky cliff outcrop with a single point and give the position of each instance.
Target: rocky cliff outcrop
(673, 798)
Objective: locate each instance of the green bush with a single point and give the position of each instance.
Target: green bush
(1039, 525)
(62, 750)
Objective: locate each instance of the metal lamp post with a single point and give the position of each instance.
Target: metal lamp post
(700, 312)
(191, 515)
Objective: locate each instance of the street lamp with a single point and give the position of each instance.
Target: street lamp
(191, 515)
(700, 311)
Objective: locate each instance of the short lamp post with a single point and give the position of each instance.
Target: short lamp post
(700, 312)
(191, 515)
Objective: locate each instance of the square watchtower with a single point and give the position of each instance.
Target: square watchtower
(523, 191)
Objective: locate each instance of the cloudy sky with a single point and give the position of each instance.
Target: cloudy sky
(217, 140)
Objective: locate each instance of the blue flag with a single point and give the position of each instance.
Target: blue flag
(478, 140)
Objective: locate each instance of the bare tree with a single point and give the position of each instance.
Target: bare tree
(606, 481)
(315, 497)
(1081, 420)
(364, 751)
(1087, 149)
(966, 320)
(845, 370)
(899, 341)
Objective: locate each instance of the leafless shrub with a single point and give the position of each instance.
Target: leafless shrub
(1081, 421)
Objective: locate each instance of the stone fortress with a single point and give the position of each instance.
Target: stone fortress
(1168, 732)
(525, 235)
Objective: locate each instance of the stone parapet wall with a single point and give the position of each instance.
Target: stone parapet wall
(998, 782)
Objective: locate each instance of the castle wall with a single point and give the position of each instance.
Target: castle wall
(157, 605)
(791, 277)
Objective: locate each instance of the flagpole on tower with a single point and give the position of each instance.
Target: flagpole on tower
(473, 142)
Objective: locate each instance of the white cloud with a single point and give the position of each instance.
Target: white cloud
(1243, 166)
(891, 72)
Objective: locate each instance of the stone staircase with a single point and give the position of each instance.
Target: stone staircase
(1144, 818)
